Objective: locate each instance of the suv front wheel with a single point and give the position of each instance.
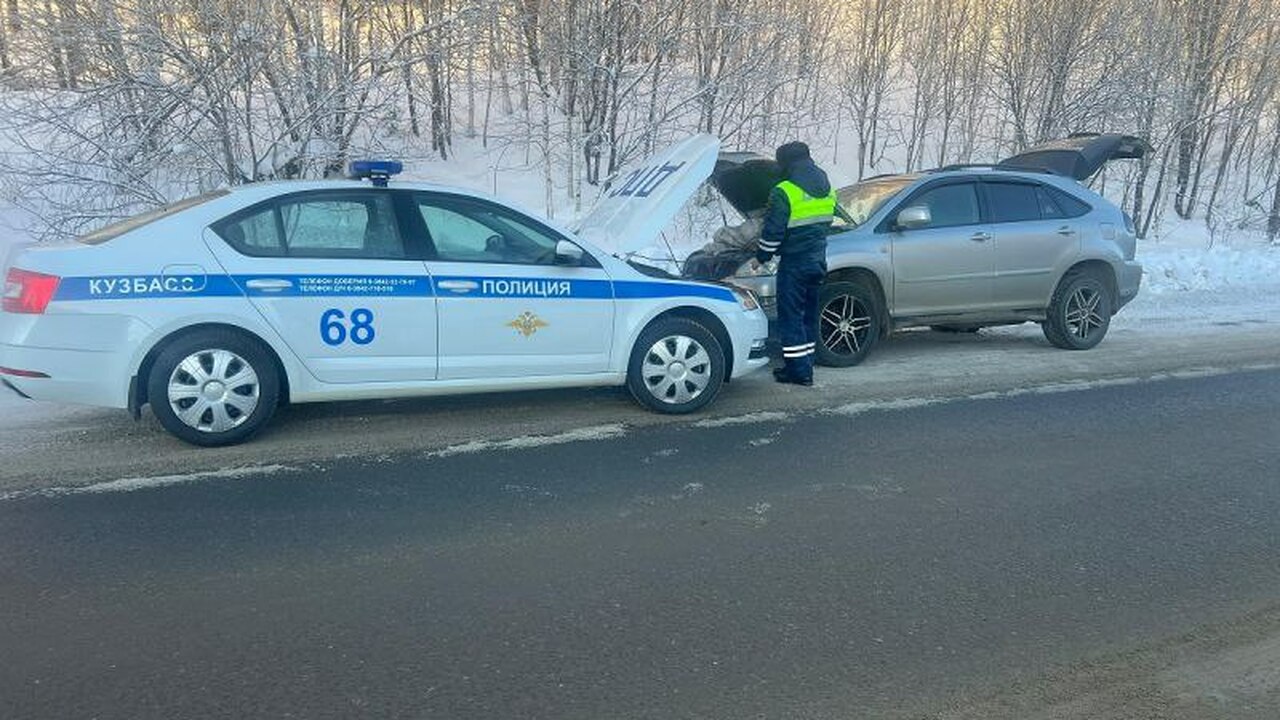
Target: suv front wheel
(849, 315)
(1080, 311)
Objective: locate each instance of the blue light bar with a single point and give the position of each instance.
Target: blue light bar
(377, 171)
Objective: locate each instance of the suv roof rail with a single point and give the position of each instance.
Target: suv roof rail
(993, 166)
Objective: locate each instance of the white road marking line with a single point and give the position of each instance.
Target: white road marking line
(145, 483)
(748, 419)
(525, 442)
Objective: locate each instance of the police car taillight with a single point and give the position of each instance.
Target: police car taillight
(28, 292)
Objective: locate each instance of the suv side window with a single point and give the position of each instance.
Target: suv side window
(1013, 202)
(1049, 208)
(950, 205)
(464, 230)
(318, 225)
(1072, 207)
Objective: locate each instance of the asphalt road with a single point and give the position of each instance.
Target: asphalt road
(44, 444)
(1098, 552)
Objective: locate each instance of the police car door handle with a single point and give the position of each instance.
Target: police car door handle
(458, 286)
(269, 284)
(980, 237)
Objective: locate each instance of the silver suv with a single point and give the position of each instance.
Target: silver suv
(965, 247)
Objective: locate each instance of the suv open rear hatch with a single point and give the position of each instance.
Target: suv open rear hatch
(1079, 156)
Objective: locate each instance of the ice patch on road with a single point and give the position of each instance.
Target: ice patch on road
(147, 483)
(749, 419)
(526, 442)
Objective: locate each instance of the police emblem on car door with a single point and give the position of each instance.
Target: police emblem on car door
(509, 304)
(527, 324)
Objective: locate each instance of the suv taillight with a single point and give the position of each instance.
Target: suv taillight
(28, 292)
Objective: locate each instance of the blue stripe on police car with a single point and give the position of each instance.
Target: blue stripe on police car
(124, 287)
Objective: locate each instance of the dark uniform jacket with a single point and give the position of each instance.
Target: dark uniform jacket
(808, 242)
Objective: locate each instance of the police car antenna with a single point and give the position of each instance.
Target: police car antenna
(377, 172)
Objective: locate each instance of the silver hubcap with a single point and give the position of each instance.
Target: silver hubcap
(844, 325)
(676, 369)
(1083, 316)
(213, 390)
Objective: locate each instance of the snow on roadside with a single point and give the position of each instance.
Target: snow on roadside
(1179, 269)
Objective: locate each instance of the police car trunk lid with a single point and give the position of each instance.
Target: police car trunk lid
(646, 196)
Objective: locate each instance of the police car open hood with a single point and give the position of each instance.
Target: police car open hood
(1079, 156)
(647, 196)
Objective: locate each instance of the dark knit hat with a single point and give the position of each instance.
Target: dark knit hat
(792, 152)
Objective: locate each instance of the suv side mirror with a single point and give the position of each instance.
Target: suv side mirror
(916, 216)
(567, 253)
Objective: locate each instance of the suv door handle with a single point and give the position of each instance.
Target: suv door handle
(980, 236)
(268, 284)
(1066, 230)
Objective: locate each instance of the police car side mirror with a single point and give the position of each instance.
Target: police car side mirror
(916, 216)
(567, 253)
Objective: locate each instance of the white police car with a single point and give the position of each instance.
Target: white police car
(218, 308)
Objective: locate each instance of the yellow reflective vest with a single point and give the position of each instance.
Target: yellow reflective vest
(806, 209)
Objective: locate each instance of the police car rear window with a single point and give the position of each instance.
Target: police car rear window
(116, 229)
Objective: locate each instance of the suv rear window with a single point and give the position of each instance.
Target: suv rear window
(116, 229)
(1012, 202)
(1071, 206)
(1021, 202)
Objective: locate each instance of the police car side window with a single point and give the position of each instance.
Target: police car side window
(329, 225)
(255, 234)
(465, 231)
(339, 227)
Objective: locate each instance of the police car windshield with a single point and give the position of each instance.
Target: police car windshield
(861, 201)
(116, 229)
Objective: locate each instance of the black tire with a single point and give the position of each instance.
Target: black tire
(1080, 311)
(258, 394)
(662, 391)
(956, 329)
(850, 315)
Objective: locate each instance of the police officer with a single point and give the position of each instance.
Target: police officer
(800, 210)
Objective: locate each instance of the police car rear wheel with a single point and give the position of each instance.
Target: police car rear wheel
(213, 387)
(677, 366)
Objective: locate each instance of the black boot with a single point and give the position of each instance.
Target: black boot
(784, 376)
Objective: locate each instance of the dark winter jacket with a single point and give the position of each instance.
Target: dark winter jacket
(808, 242)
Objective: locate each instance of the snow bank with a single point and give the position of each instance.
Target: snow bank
(1179, 269)
(1184, 257)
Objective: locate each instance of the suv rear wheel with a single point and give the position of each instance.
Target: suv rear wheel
(1080, 311)
(849, 315)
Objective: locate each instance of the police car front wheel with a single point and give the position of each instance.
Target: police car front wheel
(677, 366)
(213, 387)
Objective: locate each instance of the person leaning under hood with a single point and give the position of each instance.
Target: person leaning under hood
(801, 208)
